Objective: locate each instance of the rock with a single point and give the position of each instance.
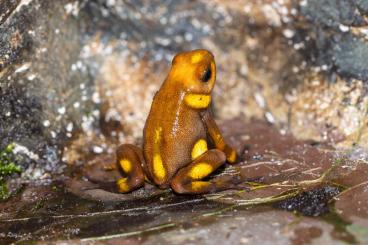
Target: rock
(352, 204)
(45, 89)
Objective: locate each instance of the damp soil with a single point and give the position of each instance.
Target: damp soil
(84, 207)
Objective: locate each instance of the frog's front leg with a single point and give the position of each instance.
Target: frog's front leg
(215, 134)
(189, 180)
(130, 160)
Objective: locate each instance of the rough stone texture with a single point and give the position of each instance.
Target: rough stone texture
(44, 90)
(85, 209)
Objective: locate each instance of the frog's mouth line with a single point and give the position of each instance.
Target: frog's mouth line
(197, 101)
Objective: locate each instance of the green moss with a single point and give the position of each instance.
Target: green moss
(341, 227)
(360, 232)
(7, 167)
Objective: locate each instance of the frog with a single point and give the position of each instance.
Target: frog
(177, 134)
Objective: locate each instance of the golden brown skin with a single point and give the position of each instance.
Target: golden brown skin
(175, 135)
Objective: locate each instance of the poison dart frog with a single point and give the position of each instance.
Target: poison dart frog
(177, 132)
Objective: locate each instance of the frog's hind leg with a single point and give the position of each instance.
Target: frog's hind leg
(129, 160)
(189, 180)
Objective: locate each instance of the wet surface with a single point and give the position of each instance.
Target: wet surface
(62, 215)
(352, 204)
(311, 203)
(87, 207)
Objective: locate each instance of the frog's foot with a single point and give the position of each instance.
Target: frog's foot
(231, 155)
(129, 160)
(189, 180)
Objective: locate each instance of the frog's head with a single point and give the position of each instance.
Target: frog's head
(195, 73)
(194, 70)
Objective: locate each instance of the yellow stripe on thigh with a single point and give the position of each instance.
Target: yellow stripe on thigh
(198, 185)
(158, 167)
(123, 185)
(200, 170)
(199, 148)
(126, 165)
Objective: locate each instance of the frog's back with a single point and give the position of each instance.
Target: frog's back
(170, 132)
(174, 125)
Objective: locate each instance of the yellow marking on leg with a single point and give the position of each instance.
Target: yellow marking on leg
(232, 157)
(158, 167)
(197, 101)
(200, 170)
(199, 185)
(123, 185)
(126, 165)
(197, 58)
(199, 148)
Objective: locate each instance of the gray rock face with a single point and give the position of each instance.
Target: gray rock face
(6, 8)
(43, 87)
(335, 43)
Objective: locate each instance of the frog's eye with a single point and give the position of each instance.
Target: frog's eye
(206, 75)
